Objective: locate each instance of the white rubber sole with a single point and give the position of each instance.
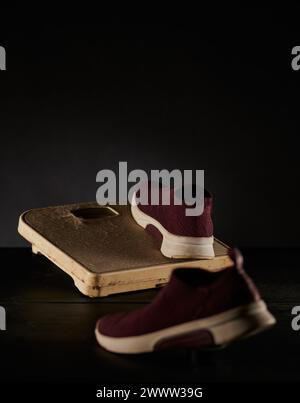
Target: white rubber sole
(174, 246)
(224, 328)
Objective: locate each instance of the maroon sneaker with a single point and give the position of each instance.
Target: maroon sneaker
(196, 309)
(180, 236)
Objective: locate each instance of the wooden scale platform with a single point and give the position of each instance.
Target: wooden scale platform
(103, 249)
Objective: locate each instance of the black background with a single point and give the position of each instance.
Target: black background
(210, 90)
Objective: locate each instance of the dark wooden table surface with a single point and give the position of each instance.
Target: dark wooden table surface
(50, 329)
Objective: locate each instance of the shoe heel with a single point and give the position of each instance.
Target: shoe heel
(242, 327)
(173, 246)
(181, 250)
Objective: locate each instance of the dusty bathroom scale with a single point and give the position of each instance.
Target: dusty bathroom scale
(103, 249)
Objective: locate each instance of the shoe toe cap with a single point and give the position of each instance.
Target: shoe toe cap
(111, 325)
